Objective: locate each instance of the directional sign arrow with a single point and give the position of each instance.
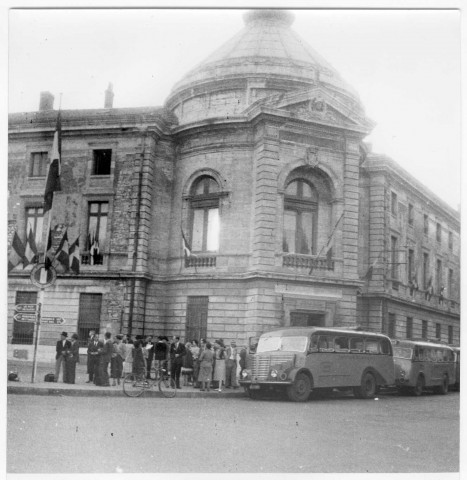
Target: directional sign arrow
(53, 320)
(25, 308)
(24, 317)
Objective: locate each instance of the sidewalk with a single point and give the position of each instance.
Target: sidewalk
(81, 388)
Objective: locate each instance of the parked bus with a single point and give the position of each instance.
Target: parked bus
(301, 359)
(422, 364)
(457, 355)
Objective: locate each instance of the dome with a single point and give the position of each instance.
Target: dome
(266, 57)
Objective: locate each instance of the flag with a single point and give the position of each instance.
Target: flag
(186, 246)
(53, 175)
(30, 254)
(62, 253)
(74, 256)
(49, 254)
(94, 250)
(17, 252)
(329, 257)
(369, 273)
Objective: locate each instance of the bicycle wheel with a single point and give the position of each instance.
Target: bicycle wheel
(167, 386)
(134, 385)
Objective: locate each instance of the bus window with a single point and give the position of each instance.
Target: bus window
(439, 355)
(385, 347)
(419, 354)
(356, 345)
(371, 346)
(325, 343)
(313, 343)
(341, 344)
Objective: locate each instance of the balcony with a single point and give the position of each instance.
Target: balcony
(308, 262)
(201, 261)
(88, 259)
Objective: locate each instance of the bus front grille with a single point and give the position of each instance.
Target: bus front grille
(262, 364)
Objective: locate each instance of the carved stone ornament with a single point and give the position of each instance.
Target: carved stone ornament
(317, 105)
(311, 157)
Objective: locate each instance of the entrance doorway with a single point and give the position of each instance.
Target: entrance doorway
(306, 319)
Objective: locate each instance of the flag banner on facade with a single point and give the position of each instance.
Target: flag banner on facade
(49, 254)
(17, 253)
(53, 175)
(186, 246)
(62, 254)
(94, 252)
(74, 256)
(31, 254)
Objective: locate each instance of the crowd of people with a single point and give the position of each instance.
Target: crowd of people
(204, 365)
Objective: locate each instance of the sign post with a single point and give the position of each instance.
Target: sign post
(42, 278)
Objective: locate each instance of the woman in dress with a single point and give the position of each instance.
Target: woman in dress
(205, 367)
(195, 354)
(139, 362)
(187, 367)
(116, 363)
(71, 359)
(219, 368)
(128, 355)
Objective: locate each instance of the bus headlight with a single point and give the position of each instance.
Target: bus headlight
(273, 373)
(245, 373)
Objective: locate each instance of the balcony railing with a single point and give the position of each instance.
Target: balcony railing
(305, 261)
(88, 259)
(200, 261)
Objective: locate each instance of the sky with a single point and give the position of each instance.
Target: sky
(404, 64)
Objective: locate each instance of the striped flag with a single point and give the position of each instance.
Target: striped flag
(17, 253)
(49, 254)
(62, 254)
(31, 254)
(186, 246)
(74, 256)
(53, 175)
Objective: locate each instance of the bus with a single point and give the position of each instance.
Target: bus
(422, 364)
(298, 360)
(457, 355)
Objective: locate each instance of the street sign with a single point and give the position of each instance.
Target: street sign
(24, 317)
(53, 320)
(25, 308)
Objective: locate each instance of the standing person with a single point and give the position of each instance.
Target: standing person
(161, 352)
(94, 346)
(231, 366)
(177, 352)
(138, 364)
(219, 366)
(243, 355)
(187, 366)
(116, 363)
(205, 367)
(88, 359)
(105, 355)
(128, 358)
(60, 353)
(195, 351)
(149, 346)
(71, 359)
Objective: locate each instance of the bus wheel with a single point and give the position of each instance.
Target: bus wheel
(368, 387)
(300, 390)
(419, 386)
(444, 387)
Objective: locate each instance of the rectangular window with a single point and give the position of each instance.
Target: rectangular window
(450, 240)
(450, 334)
(23, 332)
(101, 162)
(439, 274)
(409, 328)
(425, 224)
(38, 164)
(410, 265)
(205, 231)
(410, 215)
(438, 331)
(34, 222)
(89, 316)
(196, 318)
(450, 283)
(438, 232)
(391, 325)
(394, 203)
(426, 270)
(424, 329)
(97, 230)
(394, 259)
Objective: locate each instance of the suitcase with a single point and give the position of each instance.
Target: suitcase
(50, 377)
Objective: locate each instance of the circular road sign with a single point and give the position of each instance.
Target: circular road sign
(42, 277)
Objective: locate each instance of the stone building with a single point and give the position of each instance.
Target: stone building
(258, 159)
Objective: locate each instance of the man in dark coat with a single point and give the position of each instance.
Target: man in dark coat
(105, 355)
(177, 352)
(72, 358)
(62, 346)
(94, 346)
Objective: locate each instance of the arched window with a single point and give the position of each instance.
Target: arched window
(300, 218)
(205, 196)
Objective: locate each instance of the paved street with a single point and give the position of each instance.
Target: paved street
(338, 434)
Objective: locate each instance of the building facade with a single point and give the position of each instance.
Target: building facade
(249, 201)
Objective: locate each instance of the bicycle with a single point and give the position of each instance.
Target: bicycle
(135, 384)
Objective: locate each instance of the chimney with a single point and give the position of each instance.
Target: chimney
(46, 101)
(109, 96)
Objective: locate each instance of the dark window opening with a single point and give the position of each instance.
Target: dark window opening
(102, 160)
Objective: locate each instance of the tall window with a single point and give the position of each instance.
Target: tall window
(426, 270)
(450, 240)
(424, 329)
(300, 215)
(438, 331)
(394, 259)
(450, 283)
(101, 162)
(23, 332)
(425, 224)
(450, 334)
(391, 325)
(410, 265)
(34, 221)
(409, 328)
(394, 203)
(97, 223)
(205, 215)
(439, 274)
(38, 164)
(438, 232)
(410, 215)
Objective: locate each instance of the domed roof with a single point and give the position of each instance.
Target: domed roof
(266, 48)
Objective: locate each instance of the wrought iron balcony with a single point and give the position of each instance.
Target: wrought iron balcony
(88, 259)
